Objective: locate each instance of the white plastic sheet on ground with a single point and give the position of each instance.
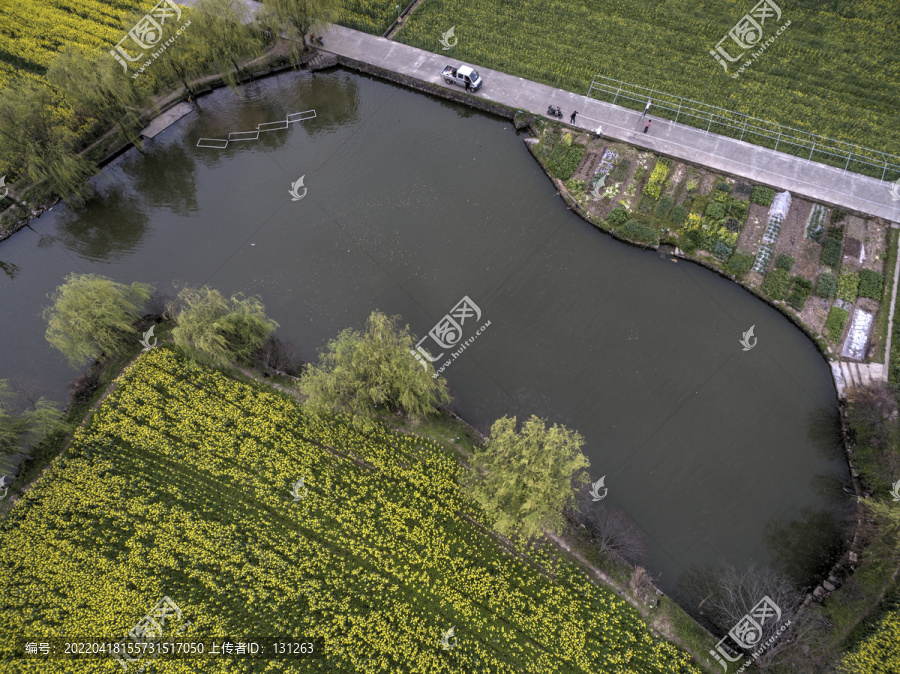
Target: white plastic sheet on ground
(777, 213)
(855, 344)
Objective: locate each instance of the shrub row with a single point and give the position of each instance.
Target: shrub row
(564, 167)
(637, 231)
(826, 285)
(847, 286)
(762, 195)
(776, 284)
(831, 252)
(739, 264)
(871, 284)
(784, 262)
(835, 322)
(800, 291)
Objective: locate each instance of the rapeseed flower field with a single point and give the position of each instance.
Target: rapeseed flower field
(180, 486)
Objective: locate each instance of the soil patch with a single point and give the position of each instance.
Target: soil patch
(852, 247)
(815, 312)
(876, 246)
(707, 183)
(754, 227)
(792, 232)
(585, 170)
(807, 259)
(676, 177)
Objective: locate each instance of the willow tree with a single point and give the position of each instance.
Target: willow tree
(524, 480)
(94, 87)
(294, 19)
(37, 144)
(214, 330)
(20, 432)
(222, 32)
(92, 316)
(361, 373)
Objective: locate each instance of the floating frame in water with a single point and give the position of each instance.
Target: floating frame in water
(205, 142)
(243, 135)
(283, 124)
(221, 143)
(299, 118)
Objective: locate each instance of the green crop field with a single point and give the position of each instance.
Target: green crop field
(184, 485)
(832, 72)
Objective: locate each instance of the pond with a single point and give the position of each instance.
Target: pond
(412, 204)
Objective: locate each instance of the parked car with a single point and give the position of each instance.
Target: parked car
(461, 75)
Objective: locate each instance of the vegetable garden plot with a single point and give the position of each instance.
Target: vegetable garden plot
(777, 212)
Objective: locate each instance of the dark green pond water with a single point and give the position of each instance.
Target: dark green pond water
(414, 203)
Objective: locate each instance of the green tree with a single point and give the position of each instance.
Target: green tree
(222, 33)
(294, 19)
(525, 480)
(92, 316)
(20, 432)
(36, 143)
(95, 88)
(358, 373)
(217, 331)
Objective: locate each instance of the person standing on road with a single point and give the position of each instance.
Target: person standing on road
(597, 133)
(572, 118)
(468, 84)
(648, 125)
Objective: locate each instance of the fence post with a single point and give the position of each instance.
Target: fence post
(849, 154)
(710, 122)
(776, 143)
(811, 152)
(678, 113)
(744, 129)
(617, 95)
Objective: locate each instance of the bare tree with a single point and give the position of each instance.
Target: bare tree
(871, 410)
(721, 597)
(158, 305)
(872, 416)
(27, 388)
(642, 586)
(280, 357)
(83, 387)
(611, 529)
